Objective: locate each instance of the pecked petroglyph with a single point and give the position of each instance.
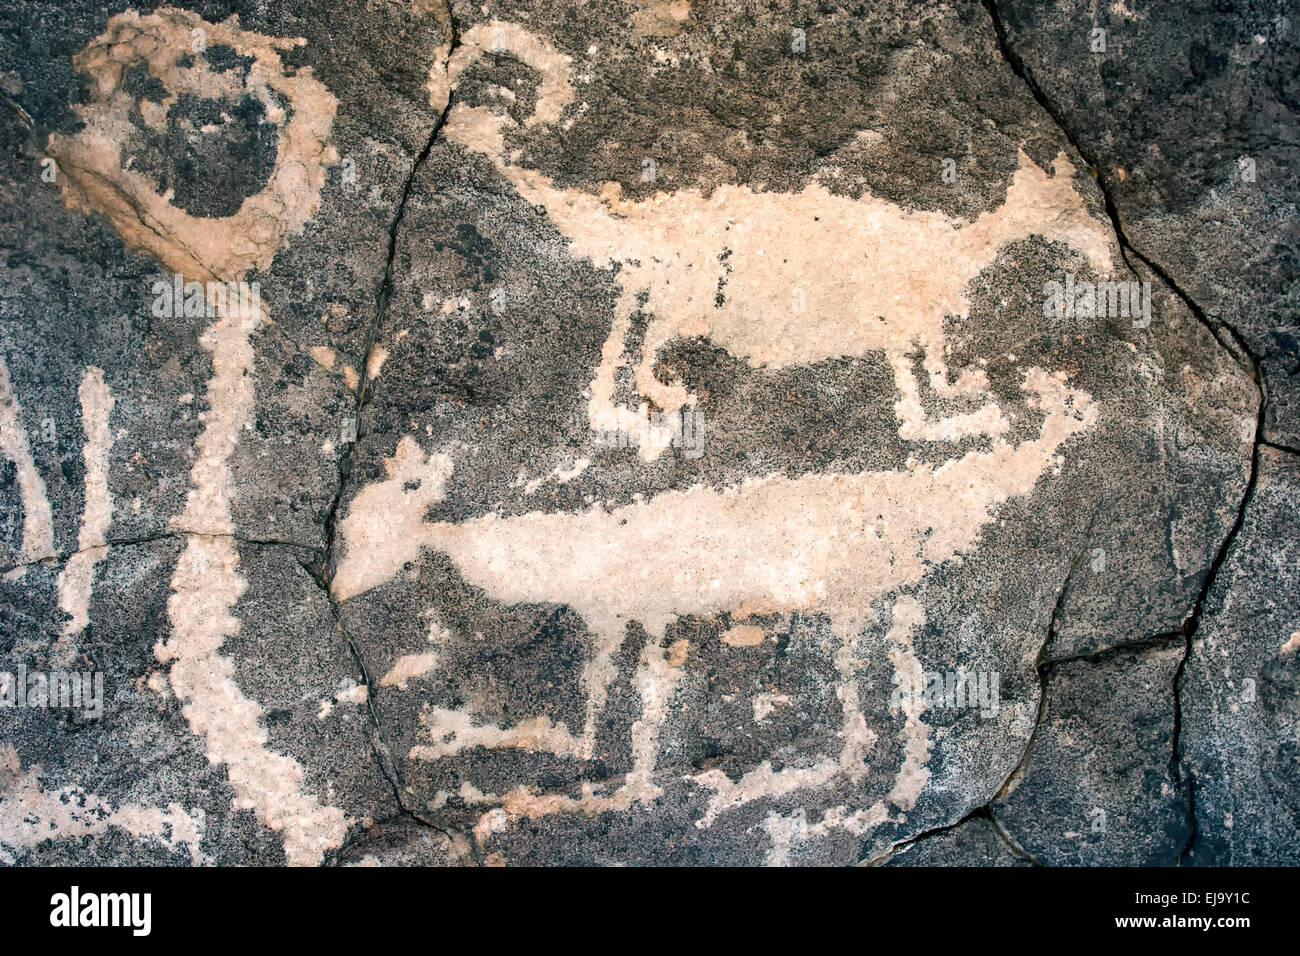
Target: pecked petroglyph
(31, 814)
(206, 584)
(808, 276)
(795, 293)
(94, 174)
(829, 543)
(38, 519)
(833, 734)
(77, 577)
(786, 831)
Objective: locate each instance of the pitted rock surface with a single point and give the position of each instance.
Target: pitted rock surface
(646, 433)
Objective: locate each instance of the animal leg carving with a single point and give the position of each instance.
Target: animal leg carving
(618, 424)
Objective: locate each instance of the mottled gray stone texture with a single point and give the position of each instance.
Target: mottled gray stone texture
(652, 433)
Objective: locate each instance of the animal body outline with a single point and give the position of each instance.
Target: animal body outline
(808, 275)
(533, 558)
(823, 543)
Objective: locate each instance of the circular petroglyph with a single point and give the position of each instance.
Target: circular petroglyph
(169, 75)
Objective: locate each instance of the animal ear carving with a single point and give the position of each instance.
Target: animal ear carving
(496, 37)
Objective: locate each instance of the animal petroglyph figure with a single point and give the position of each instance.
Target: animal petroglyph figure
(804, 276)
(833, 544)
(829, 543)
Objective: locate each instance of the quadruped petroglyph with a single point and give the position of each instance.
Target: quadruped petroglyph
(832, 543)
(798, 293)
(828, 543)
(377, 560)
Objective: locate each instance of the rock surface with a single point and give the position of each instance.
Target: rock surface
(973, 842)
(1190, 121)
(654, 433)
(1099, 784)
(1240, 724)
